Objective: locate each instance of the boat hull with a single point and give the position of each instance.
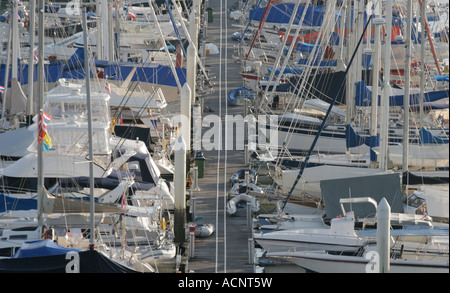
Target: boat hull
(325, 263)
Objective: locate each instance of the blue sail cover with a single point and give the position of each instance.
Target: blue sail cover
(44, 247)
(8, 203)
(118, 71)
(281, 13)
(364, 96)
(442, 78)
(353, 139)
(426, 137)
(287, 70)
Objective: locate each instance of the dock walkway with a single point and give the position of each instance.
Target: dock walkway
(226, 251)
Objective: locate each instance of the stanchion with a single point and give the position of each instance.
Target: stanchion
(249, 215)
(191, 241)
(251, 252)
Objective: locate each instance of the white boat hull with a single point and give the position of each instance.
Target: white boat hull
(326, 263)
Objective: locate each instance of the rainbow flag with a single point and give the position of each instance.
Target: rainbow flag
(47, 144)
(43, 136)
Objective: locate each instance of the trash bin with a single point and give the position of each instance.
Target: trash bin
(210, 14)
(200, 163)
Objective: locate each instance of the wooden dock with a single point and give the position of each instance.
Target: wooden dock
(225, 251)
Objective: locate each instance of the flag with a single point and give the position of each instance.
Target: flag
(2, 89)
(123, 201)
(36, 58)
(107, 87)
(43, 136)
(47, 145)
(46, 117)
(132, 15)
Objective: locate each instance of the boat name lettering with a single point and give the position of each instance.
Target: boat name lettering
(73, 266)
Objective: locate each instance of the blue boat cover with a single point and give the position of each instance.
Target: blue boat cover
(441, 78)
(353, 139)
(281, 13)
(364, 96)
(90, 261)
(8, 203)
(44, 247)
(74, 69)
(426, 137)
(239, 94)
(287, 70)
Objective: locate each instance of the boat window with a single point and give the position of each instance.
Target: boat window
(134, 169)
(297, 124)
(18, 237)
(415, 201)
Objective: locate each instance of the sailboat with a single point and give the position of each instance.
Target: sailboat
(57, 204)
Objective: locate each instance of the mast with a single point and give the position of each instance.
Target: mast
(99, 25)
(88, 101)
(291, 48)
(40, 72)
(277, 62)
(407, 88)
(349, 87)
(324, 120)
(8, 63)
(374, 138)
(386, 90)
(423, 65)
(105, 30)
(117, 30)
(15, 43)
(430, 40)
(261, 24)
(30, 103)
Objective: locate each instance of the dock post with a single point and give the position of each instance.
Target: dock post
(192, 241)
(185, 110)
(180, 190)
(194, 171)
(245, 107)
(192, 200)
(246, 155)
(251, 253)
(249, 215)
(383, 234)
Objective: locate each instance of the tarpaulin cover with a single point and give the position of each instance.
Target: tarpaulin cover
(374, 186)
(364, 96)
(116, 71)
(44, 247)
(87, 262)
(281, 13)
(8, 203)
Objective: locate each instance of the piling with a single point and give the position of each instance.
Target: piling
(180, 191)
(383, 234)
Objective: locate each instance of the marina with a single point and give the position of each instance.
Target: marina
(224, 137)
